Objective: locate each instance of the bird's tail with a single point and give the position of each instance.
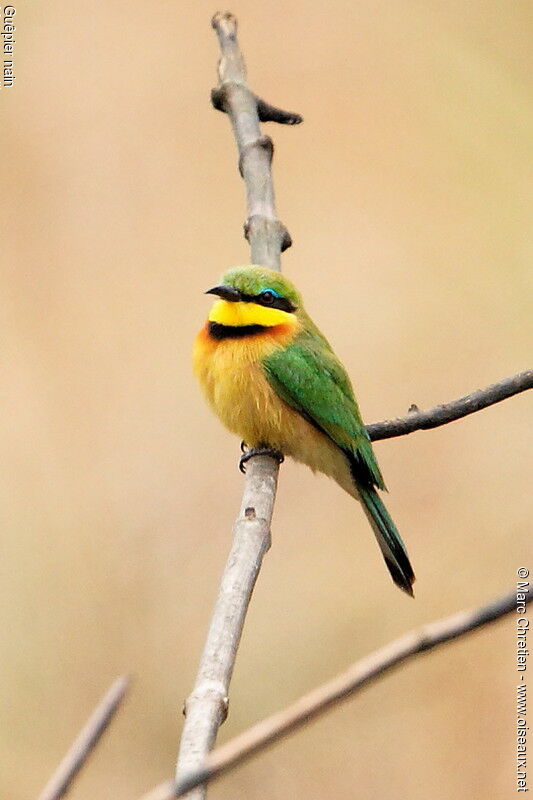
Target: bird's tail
(389, 540)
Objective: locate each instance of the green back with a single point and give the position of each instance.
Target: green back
(309, 377)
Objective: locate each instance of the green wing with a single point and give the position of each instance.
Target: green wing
(308, 376)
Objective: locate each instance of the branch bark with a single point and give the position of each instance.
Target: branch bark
(330, 694)
(206, 707)
(86, 741)
(417, 420)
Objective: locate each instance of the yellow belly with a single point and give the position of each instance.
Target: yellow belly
(234, 383)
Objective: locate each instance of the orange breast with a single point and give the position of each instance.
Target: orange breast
(231, 375)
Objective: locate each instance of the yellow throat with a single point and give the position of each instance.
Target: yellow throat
(238, 314)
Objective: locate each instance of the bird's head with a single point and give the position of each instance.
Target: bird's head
(254, 296)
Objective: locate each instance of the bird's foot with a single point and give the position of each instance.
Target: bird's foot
(258, 451)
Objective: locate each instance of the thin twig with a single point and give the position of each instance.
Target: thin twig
(360, 674)
(86, 741)
(206, 708)
(448, 412)
(163, 791)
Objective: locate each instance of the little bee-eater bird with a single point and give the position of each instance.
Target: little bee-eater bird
(274, 380)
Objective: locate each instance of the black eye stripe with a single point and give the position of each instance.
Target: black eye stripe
(276, 302)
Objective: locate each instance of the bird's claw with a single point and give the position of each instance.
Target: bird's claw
(258, 451)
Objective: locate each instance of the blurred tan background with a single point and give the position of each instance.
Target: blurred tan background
(405, 191)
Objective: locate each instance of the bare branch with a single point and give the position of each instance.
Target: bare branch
(330, 694)
(266, 235)
(206, 707)
(417, 420)
(86, 741)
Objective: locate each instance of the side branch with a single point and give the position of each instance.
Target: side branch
(330, 694)
(265, 111)
(86, 741)
(417, 420)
